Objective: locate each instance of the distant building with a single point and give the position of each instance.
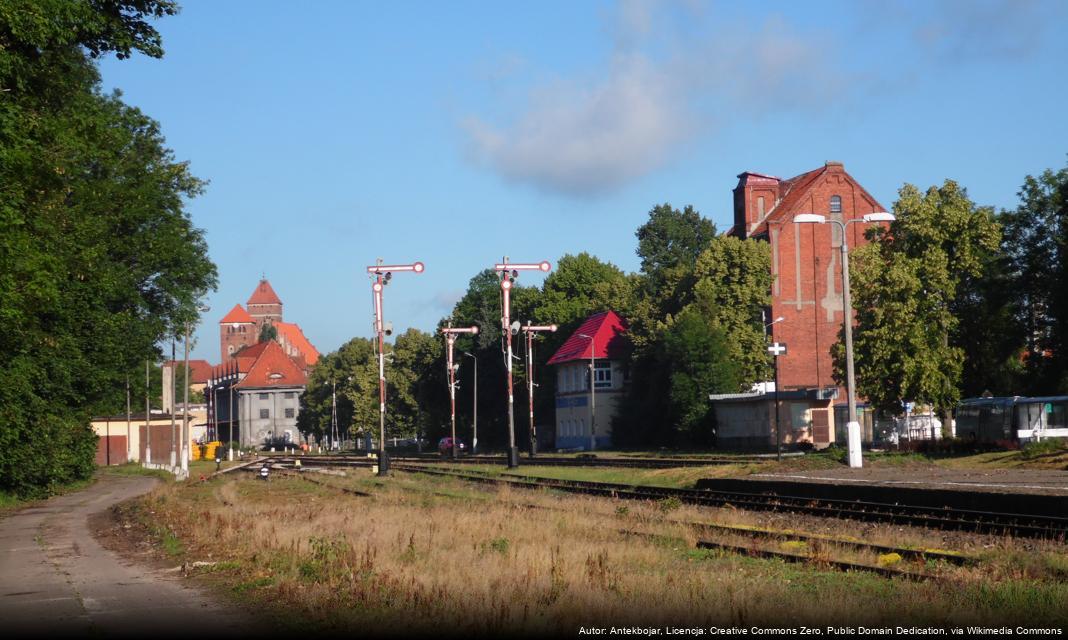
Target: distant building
(254, 394)
(609, 349)
(807, 276)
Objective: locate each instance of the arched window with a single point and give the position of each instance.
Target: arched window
(760, 206)
(836, 204)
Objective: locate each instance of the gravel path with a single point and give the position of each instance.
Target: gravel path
(56, 579)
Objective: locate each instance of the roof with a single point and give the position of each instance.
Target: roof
(264, 294)
(237, 315)
(793, 194)
(273, 368)
(291, 333)
(199, 370)
(607, 330)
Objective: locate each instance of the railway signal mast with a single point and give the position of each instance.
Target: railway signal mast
(383, 273)
(509, 272)
(450, 340)
(530, 330)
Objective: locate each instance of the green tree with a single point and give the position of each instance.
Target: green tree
(1036, 244)
(905, 285)
(98, 259)
(668, 245)
(268, 332)
(734, 287)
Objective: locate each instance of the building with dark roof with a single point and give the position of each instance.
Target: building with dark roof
(601, 341)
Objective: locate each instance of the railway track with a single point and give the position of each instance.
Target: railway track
(811, 548)
(1017, 525)
(581, 461)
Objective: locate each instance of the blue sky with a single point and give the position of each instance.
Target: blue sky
(455, 133)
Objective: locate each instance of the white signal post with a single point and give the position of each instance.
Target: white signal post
(530, 330)
(383, 273)
(509, 272)
(450, 333)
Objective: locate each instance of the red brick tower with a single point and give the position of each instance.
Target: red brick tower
(805, 260)
(264, 305)
(237, 329)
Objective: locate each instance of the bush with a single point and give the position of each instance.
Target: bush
(1033, 450)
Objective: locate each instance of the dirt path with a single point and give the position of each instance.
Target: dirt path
(56, 579)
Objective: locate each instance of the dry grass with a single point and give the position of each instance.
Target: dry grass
(426, 554)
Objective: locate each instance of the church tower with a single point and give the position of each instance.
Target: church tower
(264, 305)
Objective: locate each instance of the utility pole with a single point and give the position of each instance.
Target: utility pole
(185, 408)
(593, 394)
(777, 349)
(148, 423)
(530, 331)
(174, 434)
(474, 434)
(509, 272)
(231, 376)
(383, 274)
(127, 418)
(450, 340)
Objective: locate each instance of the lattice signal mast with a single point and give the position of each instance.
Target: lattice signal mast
(509, 272)
(531, 330)
(450, 334)
(383, 273)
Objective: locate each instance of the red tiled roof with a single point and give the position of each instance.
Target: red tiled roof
(291, 333)
(237, 314)
(607, 329)
(273, 368)
(264, 294)
(794, 192)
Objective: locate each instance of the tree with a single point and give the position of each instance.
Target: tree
(268, 332)
(98, 259)
(734, 287)
(905, 284)
(1036, 244)
(668, 245)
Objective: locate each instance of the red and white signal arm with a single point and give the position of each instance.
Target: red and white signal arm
(544, 266)
(415, 267)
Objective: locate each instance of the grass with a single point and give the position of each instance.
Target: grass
(423, 552)
(11, 502)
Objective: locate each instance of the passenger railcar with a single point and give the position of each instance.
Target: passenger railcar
(1012, 419)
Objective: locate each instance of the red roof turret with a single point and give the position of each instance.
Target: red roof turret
(607, 329)
(264, 294)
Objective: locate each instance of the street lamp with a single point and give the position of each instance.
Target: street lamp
(383, 274)
(474, 435)
(853, 426)
(185, 408)
(509, 272)
(593, 395)
(530, 330)
(450, 340)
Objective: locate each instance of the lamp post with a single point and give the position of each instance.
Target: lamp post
(530, 330)
(382, 275)
(148, 425)
(593, 395)
(230, 423)
(509, 272)
(185, 399)
(853, 426)
(450, 333)
(174, 430)
(474, 435)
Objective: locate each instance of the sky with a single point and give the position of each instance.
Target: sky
(336, 133)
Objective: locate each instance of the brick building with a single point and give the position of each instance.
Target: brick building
(240, 328)
(807, 270)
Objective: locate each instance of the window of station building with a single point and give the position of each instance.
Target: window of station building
(836, 204)
(265, 413)
(289, 413)
(603, 375)
(290, 395)
(263, 396)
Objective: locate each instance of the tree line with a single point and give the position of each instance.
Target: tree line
(99, 261)
(952, 300)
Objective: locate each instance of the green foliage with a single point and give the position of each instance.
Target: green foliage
(904, 288)
(268, 332)
(1036, 248)
(98, 259)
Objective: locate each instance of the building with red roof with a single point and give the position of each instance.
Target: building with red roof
(584, 419)
(807, 276)
(254, 393)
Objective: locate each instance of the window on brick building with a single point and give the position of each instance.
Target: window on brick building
(760, 206)
(836, 204)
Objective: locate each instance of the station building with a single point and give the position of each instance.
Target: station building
(600, 343)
